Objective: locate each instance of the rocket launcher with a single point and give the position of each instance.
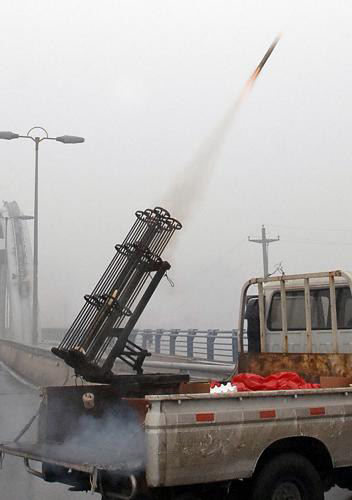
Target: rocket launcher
(100, 333)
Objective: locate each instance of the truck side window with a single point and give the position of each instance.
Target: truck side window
(344, 308)
(296, 319)
(320, 301)
(295, 311)
(274, 321)
(320, 310)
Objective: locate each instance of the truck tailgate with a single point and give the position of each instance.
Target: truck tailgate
(81, 458)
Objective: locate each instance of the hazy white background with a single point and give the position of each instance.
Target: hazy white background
(145, 82)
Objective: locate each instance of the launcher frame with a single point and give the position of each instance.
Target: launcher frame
(100, 333)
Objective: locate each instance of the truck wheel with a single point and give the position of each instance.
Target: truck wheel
(289, 476)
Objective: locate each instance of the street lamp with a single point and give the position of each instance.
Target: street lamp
(65, 139)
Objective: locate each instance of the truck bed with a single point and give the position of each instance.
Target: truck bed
(197, 438)
(182, 439)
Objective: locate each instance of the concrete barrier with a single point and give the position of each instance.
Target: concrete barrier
(40, 367)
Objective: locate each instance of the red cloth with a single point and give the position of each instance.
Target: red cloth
(276, 382)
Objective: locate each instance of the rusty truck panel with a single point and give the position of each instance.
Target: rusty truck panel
(309, 366)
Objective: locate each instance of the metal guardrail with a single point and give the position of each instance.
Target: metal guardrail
(205, 345)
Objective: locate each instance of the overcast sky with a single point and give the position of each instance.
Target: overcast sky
(145, 82)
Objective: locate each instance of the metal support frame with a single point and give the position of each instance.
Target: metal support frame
(335, 344)
(284, 337)
(261, 316)
(308, 315)
(147, 337)
(190, 342)
(173, 337)
(157, 340)
(234, 345)
(30, 469)
(211, 336)
(118, 351)
(100, 333)
(307, 279)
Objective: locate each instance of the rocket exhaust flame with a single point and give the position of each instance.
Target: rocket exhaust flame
(192, 181)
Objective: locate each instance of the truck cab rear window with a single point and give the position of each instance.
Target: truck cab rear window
(320, 310)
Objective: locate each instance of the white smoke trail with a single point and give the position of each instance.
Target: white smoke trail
(191, 183)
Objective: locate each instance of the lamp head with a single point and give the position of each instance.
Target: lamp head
(69, 139)
(8, 135)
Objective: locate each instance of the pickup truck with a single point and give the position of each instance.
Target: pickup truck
(191, 444)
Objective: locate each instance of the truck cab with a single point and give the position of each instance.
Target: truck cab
(298, 314)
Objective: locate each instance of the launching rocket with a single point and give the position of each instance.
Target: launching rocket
(263, 61)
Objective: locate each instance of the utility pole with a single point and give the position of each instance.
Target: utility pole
(264, 241)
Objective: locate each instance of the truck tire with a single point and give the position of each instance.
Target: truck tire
(288, 476)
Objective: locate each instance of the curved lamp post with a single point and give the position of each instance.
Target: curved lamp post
(65, 139)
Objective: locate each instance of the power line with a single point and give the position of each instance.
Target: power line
(302, 228)
(319, 242)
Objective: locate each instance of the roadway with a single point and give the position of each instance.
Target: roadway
(18, 402)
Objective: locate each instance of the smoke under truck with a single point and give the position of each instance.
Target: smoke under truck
(163, 436)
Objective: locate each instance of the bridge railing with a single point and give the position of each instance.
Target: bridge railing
(208, 345)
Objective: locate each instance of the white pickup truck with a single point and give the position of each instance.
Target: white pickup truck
(187, 444)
